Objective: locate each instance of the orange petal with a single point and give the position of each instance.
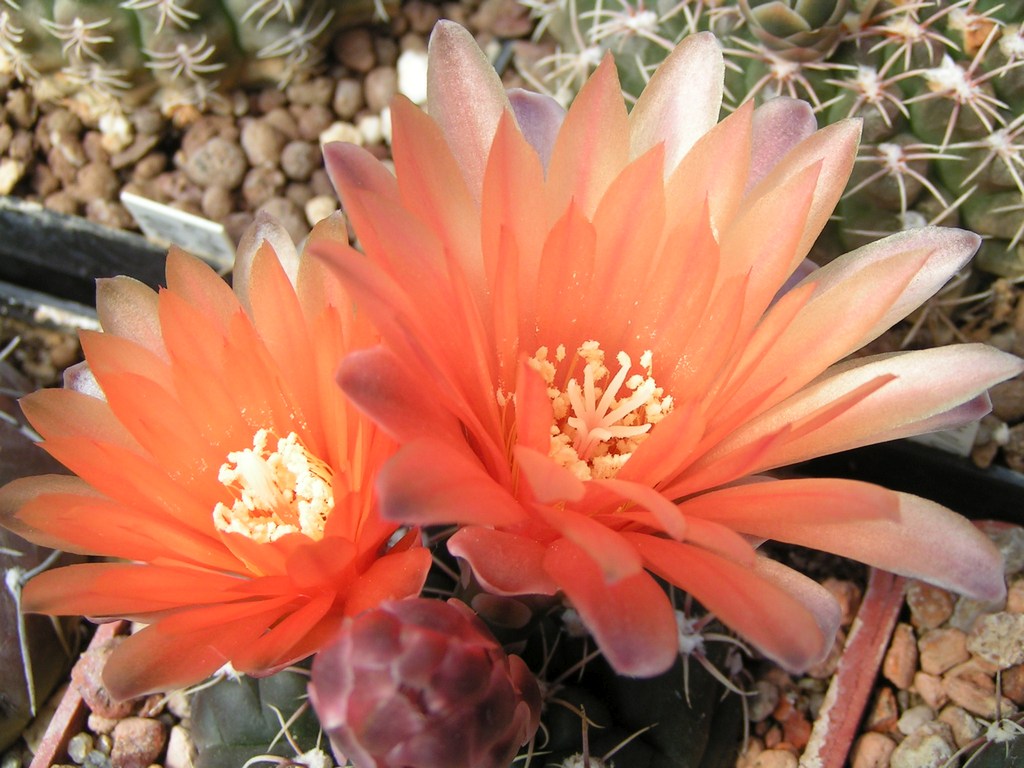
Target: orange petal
(615, 558)
(123, 590)
(393, 576)
(779, 625)
(504, 563)
(153, 660)
(593, 145)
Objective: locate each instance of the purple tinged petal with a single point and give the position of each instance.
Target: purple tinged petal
(926, 541)
(805, 270)
(779, 125)
(539, 117)
(265, 228)
(814, 597)
(681, 102)
(466, 98)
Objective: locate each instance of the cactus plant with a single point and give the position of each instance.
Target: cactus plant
(235, 720)
(182, 49)
(939, 85)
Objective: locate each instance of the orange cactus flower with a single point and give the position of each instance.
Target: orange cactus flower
(213, 451)
(590, 361)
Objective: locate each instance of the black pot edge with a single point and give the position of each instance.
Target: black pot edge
(63, 255)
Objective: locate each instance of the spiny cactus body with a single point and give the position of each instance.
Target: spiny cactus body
(185, 50)
(939, 85)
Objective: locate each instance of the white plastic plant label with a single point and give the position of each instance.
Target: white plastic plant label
(168, 226)
(959, 441)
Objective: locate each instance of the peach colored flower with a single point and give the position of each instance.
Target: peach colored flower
(213, 450)
(590, 364)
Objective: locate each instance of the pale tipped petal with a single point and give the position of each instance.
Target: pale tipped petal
(539, 117)
(128, 308)
(466, 98)
(779, 125)
(681, 102)
(814, 597)
(264, 229)
(80, 378)
(948, 251)
(929, 387)
(631, 620)
(925, 541)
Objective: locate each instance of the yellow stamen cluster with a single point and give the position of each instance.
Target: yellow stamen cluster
(596, 429)
(288, 490)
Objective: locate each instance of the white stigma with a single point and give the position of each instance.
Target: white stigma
(597, 426)
(288, 490)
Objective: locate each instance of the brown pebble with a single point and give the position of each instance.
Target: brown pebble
(942, 649)
(354, 49)
(92, 145)
(217, 203)
(312, 121)
(503, 18)
(149, 167)
(87, 677)
(929, 606)
(884, 712)
(929, 688)
(317, 90)
(109, 213)
(62, 168)
(218, 162)
(348, 98)
(971, 688)
(1008, 400)
(901, 659)
(138, 742)
(775, 758)
(848, 594)
(1012, 681)
(422, 16)
(299, 159)
(7, 134)
(262, 142)
(300, 194)
(95, 181)
(872, 750)
(261, 184)
(998, 638)
(964, 726)
(22, 107)
(100, 725)
(22, 147)
(379, 87)
(284, 121)
(62, 202)
(1015, 596)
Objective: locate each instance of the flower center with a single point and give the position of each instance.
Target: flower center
(288, 490)
(600, 423)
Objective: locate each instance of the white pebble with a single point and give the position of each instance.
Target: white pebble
(412, 75)
(319, 207)
(11, 172)
(341, 131)
(370, 129)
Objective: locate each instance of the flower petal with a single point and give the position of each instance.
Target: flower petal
(429, 482)
(781, 627)
(779, 125)
(682, 100)
(921, 392)
(466, 98)
(128, 308)
(631, 620)
(539, 117)
(504, 563)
